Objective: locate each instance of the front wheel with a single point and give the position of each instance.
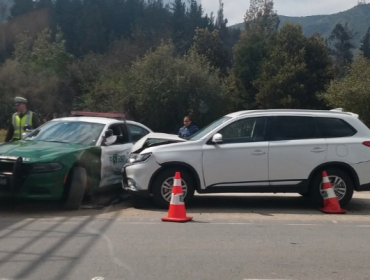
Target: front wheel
(162, 187)
(342, 185)
(76, 189)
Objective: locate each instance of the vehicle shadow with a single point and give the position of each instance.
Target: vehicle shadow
(107, 202)
(267, 205)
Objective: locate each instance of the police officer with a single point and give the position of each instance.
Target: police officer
(20, 119)
(188, 129)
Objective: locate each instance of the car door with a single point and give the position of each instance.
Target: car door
(241, 160)
(295, 149)
(114, 156)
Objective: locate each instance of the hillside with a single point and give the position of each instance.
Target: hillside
(358, 19)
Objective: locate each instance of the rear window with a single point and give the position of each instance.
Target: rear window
(333, 127)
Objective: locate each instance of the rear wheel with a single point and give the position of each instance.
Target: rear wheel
(162, 186)
(305, 194)
(76, 189)
(342, 184)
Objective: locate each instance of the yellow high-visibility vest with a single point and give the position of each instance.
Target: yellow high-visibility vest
(20, 123)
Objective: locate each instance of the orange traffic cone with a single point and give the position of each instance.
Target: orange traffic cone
(331, 203)
(177, 212)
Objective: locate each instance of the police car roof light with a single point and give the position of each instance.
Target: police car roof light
(98, 114)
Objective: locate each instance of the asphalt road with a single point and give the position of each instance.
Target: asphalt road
(230, 237)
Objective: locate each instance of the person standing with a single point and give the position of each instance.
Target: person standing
(20, 119)
(188, 129)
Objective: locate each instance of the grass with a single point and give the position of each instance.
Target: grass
(2, 135)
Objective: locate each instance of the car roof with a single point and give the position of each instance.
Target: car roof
(337, 111)
(100, 120)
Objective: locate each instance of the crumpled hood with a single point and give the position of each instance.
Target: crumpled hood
(32, 151)
(155, 139)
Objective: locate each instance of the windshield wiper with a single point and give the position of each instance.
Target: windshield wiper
(54, 141)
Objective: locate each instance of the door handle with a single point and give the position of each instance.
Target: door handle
(318, 150)
(258, 152)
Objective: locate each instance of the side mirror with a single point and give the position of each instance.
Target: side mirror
(108, 133)
(109, 137)
(27, 127)
(27, 130)
(217, 138)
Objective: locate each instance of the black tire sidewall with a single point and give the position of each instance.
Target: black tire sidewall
(315, 192)
(76, 189)
(163, 176)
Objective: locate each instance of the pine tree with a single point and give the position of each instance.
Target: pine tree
(341, 46)
(365, 45)
(44, 4)
(91, 29)
(261, 18)
(21, 7)
(295, 71)
(261, 25)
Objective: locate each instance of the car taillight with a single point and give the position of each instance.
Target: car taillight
(366, 143)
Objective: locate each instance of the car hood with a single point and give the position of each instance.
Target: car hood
(32, 151)
(155, 139)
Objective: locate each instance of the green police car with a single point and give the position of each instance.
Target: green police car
(68, 158)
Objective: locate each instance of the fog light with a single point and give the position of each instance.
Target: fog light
(131, 185)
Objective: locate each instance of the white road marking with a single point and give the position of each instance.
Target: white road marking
(335, 222)
(111, 250)
(304, 225)
(230, 223)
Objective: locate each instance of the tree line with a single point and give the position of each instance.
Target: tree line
(159, 62)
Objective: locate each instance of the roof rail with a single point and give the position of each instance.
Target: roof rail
(342, 111)
(98, 114)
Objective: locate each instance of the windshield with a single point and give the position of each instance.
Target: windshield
(204, 131)
(73, 132)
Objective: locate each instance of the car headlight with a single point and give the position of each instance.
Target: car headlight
(136, 158)
(46, 167)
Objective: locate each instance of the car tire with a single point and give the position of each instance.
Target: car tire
(162, 186)
(305, 195)
(76, 189)
(342, 183)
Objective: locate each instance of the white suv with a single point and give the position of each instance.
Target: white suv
(279, 151)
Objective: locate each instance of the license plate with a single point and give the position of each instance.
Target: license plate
(3, 182)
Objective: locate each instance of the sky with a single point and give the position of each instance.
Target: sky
(235, 9)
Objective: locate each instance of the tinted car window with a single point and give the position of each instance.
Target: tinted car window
(332, 127)
(136, 132)
(294, 128)
(246, 130)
